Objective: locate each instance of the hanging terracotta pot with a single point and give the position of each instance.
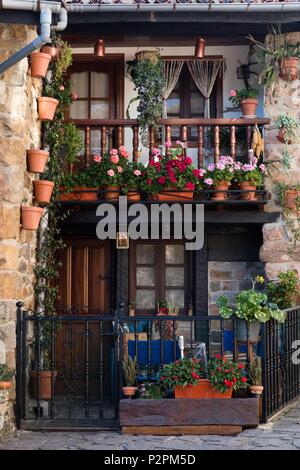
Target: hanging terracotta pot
(46, 108)
(133, 195)
(203, 389)
(289, 69)
(221, 190)
(43, 191)
(244, 186)
(79, 193)
(36, 160)
(290, 199)
(281, 136)
(31, 217)
(51, 50)
(111, 192)
(249, 106)
(39, 64)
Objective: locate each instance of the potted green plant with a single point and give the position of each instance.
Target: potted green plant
(287, 127)
(255, 376)
(130, 376)
(220, 175)
(190, 378)
(6, 375)
(146, 72)
(289, 196)
(283, 291)
(246, 99)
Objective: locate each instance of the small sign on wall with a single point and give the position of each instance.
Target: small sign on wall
(122, 241)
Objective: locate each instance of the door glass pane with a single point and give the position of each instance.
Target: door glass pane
(99, 85)
(81, 84)
(175, 277)
(174, 254)
(95, 140)
(197, 103)
(79, 110)
(175, 297)
(99, 109)
(173, 103)
(145, 298)
(145, 254)
(145, 276)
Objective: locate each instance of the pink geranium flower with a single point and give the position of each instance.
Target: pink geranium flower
(232, 93)
(168, 143)
(61, 88)
(122, 149)
(137, 172)
(155, 151)
(97, 158)
(208, 181)
(110, 172)
(113, 152)
(114, 159)
(211, 167)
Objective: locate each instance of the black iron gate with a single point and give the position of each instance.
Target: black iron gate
(68, 369)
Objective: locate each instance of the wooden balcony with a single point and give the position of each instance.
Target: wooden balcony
(204, 135)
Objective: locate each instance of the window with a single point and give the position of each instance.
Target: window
(186, 101)
(158, 272)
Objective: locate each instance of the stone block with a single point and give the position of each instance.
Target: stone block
(230, 286)
(7, 310)
(220, 275)
(9, 254)
(275, 231)
(8, 335)
(9, 221)
(2, 352)
(12, 151)
(10, 284)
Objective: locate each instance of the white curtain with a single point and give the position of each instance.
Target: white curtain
(204, 73)
(172, 69)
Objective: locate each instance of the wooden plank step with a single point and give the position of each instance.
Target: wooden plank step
(182, 430)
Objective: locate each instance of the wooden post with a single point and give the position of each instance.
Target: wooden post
(232, 142)
(87, 145)
(217, 143)
(135, 143)
(200, 147)
(103, 140)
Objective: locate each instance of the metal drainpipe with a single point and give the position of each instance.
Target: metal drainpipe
(43, 38)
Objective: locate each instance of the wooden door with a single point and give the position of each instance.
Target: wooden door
(85, 289)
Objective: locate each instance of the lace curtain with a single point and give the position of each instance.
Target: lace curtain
(172, 69)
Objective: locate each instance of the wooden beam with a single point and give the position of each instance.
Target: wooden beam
(181, 430)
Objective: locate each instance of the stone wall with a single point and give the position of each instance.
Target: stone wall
(19, 130)
(277, 238)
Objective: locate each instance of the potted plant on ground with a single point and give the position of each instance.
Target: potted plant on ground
(246, 99)
(249, 177)
(130, 376)
(220, 176)
(287, 127)
(6, 375)
(37, 160)
(190, 378)
(39, 64)
(255, 376)
(171, 177)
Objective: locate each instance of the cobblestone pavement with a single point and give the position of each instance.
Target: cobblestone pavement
(282, 433)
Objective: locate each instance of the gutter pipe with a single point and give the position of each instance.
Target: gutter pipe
(46, 9)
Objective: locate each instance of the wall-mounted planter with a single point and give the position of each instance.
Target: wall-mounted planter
(31, 217)
(36, 160)
(249, 106)
(169, 195)
(46, 108)
(79, 193)
(112, 193)
(43, 191)
(289, 69)
(133, 195)
(53, 51)
(290, 199)
(281, 136)
(39, 64)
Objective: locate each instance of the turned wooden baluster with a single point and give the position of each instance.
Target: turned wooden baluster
(200, 147)
(184, 138)
(135, 143)
(248, 137)
(217, 143)
(151, 143)
(87, 145)
(168, 138)
(119, 136)
(232, 142)
(103, 140)
(111, 137)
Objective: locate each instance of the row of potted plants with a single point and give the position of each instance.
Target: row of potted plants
(166, 177)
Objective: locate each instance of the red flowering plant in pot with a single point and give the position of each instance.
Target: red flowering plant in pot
(171, 177)
(219, 176)
(225, 375)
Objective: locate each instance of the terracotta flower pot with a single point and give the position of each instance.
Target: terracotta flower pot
(111, 192)
(244, 186)
(221, 190)
(80, 193)
(36, 160)
(256, 389)
(53, 51)
(44, 384)
(5, 385)
(129, 391)
(133, 195)
(249, 106)
(47, 107)
(169, 194)
(281, 136)
(289, 69)
(203, 389)
(43, 191)
(39, 64)
(290, 199)
(31, 217)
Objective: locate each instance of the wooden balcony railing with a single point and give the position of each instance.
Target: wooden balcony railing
(102, 134)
